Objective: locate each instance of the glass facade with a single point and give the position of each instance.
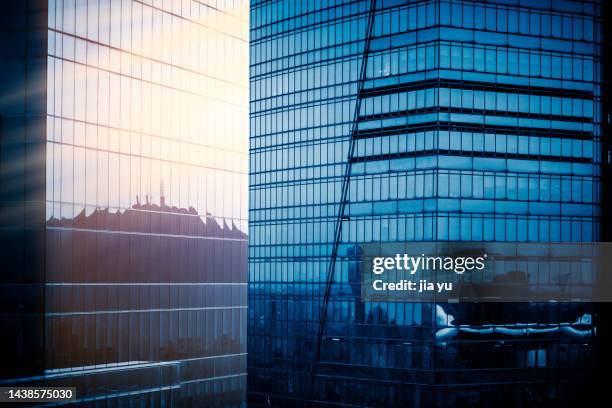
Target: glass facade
(138, 246)
(393, 121)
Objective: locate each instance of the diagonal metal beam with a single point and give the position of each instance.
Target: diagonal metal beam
(343, 199)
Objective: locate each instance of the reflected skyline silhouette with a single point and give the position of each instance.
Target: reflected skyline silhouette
(151, 218)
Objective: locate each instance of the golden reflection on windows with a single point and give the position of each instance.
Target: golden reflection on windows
(142, 94)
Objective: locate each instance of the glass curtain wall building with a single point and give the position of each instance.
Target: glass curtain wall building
(123, 187)
(393, 121)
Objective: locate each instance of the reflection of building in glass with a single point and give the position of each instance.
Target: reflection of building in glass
(472, 121)
(123, 199)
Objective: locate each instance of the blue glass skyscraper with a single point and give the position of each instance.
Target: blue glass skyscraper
(392, 121)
